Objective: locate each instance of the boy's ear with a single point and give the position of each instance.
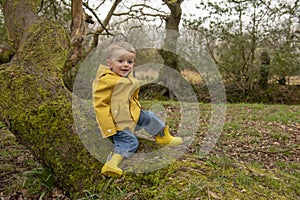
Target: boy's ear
(109, 62)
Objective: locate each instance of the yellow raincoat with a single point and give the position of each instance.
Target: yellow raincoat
(115, 101)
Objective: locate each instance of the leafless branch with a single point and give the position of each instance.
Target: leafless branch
(110, 13)
(138, 8)
(41, 6)
(97, 18)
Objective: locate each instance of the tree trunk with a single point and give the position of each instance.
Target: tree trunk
(168, 52)
(35, 105)
(264, 70)
(77, 35)
(17, 19)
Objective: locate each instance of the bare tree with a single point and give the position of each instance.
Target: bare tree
(103, 26)
(171, 21)
(170, 57)
(78, 30)
(237, 32)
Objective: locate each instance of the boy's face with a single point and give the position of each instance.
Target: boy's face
(122, 62)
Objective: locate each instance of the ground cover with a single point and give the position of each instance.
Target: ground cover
(256, 157)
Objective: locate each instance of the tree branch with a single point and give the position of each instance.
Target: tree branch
(103, 27)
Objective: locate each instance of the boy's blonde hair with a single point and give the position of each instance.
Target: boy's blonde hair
(118, 46)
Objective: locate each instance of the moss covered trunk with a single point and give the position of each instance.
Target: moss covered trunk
(35, 105)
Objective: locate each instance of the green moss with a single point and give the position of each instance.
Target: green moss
(192, 178)
(52, 53)
(37, 108)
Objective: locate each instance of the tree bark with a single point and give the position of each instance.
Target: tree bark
(168, 52)
(264, 69)
(77, 35)
(17, 19)
(35, 105)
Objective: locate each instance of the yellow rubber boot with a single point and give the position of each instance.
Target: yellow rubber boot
(168, 139)
(111, 168)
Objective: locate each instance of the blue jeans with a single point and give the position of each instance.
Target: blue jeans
(125, 141)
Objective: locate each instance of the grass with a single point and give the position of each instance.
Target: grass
(256, 157)
(20, 173)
